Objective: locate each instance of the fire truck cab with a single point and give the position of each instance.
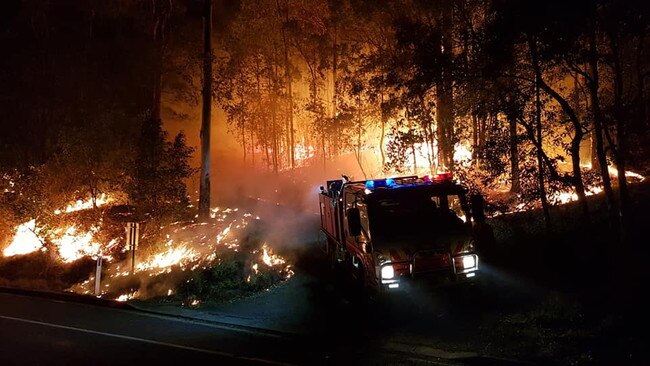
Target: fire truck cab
(389, 232)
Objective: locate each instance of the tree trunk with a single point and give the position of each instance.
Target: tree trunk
(538, 125)
(482, 128)
(382, 136)
(620, 148)
(593, 84)
(540, 159)
(284, 14)
(515, 186)
(358, 149)
(274, 106)
(206, 120)
(578, 133)
(252, 144)
(474, 139)
(444, 93)
(335, 102)
(243, 137)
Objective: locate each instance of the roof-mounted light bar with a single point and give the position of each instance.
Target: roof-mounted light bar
(372, 184)
(438, 177)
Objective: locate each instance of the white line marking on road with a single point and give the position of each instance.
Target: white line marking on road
(152, 314)
(120, 336)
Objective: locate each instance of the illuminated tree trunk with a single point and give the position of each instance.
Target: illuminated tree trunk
(337, 139)
(160, 15)
(382, 136)
(540, 159)
(620, 145)
(265, 127)
(475, 139)
(444, 93)
(243, 137)
(515, 186)
(593, 84)
(578, 132)
(252, 143)
(358, 149)
(283, 13)
(204, 182)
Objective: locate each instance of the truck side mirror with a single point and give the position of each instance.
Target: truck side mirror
(354, 221)
(478, 210)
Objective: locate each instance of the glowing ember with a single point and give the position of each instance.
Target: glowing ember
(26, 240)
(126, 297)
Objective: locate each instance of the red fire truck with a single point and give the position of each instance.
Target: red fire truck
(389, 232)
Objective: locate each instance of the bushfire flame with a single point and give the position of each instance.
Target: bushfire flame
(173, 256)
(70, 242)
(25, 241)
(186, 247)
(80, 205)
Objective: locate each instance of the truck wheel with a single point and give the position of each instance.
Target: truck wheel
(335, 270)
(332, 257)
(359, 289)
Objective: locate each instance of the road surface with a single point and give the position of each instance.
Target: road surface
(41, 331)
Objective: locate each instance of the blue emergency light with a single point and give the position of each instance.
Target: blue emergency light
(408, 181)
(380, 183)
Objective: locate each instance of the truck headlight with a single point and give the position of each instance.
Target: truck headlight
(469, 261)
(466, 263)
(387, 272)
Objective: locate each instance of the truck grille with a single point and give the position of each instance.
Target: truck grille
(431, 261)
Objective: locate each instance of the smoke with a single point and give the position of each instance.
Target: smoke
(286, 202)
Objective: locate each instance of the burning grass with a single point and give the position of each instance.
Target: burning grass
(220, 259)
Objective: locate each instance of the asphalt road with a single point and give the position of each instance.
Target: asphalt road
(37, 331)
(41, 331)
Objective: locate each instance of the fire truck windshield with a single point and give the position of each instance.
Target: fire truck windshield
(414, 217)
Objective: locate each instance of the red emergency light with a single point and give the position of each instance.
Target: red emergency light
(438, 177)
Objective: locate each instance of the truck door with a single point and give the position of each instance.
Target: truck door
(358, 246)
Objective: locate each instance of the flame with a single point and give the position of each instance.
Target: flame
(25, 241)
(171, 257)
(570, 196)
(72, 245)
(462, 155)
(269, 258)
(628, 174)
(80, 205)
(126, 297)
(190, 247)
(303, 152)
(194, 246)
(423, 151)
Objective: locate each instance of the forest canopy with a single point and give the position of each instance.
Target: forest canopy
(536, 97)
